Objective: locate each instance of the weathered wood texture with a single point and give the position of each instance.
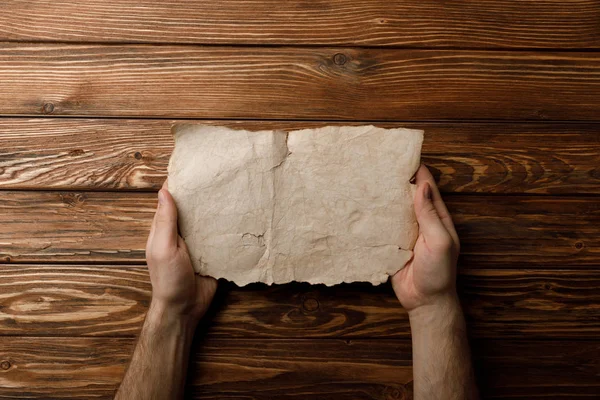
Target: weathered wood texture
(61, 300)
(413, 23)
(504, 231)
(530, 266)
(530, 370)
(84, 368)
(69, 226)
(302, 83)
(95, 154)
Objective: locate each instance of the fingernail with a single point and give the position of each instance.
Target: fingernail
(161, 197)
(427, 191)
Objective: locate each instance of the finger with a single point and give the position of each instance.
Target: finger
(165, 221)
(182, 244)
(430, 224)
(423, 175)
(152, 230)
(165, 185)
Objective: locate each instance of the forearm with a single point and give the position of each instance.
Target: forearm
(159, 363)
(442, 367)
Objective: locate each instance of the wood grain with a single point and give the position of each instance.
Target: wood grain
(71, 226)
(507, 91)
(294, 369)
(529, 370)
(59, 300)
(526, 232)
(97, 154)
(77, 153)
(495, 231)
(62, 300)
(529, 303)
(482, 24)
(297, 83)
(55, 368)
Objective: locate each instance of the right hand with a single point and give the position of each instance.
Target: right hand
(176, 289)
(429, 279)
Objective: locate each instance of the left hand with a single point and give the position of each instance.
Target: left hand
(175, 286)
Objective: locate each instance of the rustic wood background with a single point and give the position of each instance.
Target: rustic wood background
(507, 91)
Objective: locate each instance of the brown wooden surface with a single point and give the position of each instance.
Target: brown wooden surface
(508, 93)
(472, 23)
(83, 368)
(495, 232)
(97, 154)
(296, 82)
(111, 300)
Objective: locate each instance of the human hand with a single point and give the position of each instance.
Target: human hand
(175, 286)
(429, 279)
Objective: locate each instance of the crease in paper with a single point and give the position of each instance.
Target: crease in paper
(326, 205)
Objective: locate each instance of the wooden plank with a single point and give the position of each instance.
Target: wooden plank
(93, 154)
(526, 232)
(71, 226)
(528, 303)
(297, 83)
(61, 300)
(531, 370)
(495, 231)
(44, 368)
(282, 369)
(482, 24)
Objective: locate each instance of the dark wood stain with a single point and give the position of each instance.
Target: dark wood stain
(465, 157)
(508, 94)
(111, 300)
(295, 82)
(85, 368)
(102, 227)
(410, 23)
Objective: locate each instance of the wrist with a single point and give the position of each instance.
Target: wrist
(444, 311)
(161, 316)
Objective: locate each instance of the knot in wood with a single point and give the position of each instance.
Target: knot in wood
(310, 304)
(48, 108)
(339, 59)
(5, 365)
(138, 155)
(73, 199)
(579, 245)
(393, 393)
(76, 152)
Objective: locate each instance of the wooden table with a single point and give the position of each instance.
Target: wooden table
(508, 93)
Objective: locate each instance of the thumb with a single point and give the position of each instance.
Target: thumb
(430, 223)
(165, 221)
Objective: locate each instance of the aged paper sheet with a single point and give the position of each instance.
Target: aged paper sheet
(326, 205)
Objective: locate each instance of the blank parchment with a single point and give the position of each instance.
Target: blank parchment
(326, 205)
